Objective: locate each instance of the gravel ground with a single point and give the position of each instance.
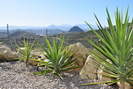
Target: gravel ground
(15, 75)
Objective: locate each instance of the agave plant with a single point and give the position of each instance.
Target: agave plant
(26, 54)
(58, 58)
(117, 47)
(1, 42)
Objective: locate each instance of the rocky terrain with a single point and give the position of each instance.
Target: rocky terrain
(15, 75)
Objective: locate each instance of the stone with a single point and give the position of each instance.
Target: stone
(6, 54)
(89, 69)
(103, 78)
(127, 85)
(80, 55)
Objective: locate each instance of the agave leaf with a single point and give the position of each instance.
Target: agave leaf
(32, 45)
(61, 44)
(128, 73)
(42, 48)
(45, 71)
(100, 38)
(47, 55)
(58, 74)
(105, 52)
(66, 55)
(59, 53)
(20, 50)
(112, 31)
(1, 42)
(97, 83)
(68, 63)
(109, 75)
(111, 41)
(103, 61)
(130, 82)
(101, 29)
(55, 49)
(99, 49)
(49, 47)
(113, 82)
(92, 40)
(108, 71)
(129, 30)
(70, 68)
(44, 62)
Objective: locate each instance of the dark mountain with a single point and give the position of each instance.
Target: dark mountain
(75, 29)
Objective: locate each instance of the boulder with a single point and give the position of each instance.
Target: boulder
(6, 54)
(89, 69)
(80, 55)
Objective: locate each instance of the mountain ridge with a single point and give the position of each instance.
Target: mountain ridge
(64, 27)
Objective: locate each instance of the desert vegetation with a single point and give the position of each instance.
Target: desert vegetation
(117, 47)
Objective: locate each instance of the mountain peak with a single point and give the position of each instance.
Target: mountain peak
(75, 29)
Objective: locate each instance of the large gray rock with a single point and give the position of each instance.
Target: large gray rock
(6, 54)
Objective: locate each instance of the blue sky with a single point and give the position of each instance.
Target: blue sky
(58, 12)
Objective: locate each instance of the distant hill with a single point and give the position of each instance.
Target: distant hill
(37, 31)
(3, 34)
(75, 29)
(43, 31)
(21, 34)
